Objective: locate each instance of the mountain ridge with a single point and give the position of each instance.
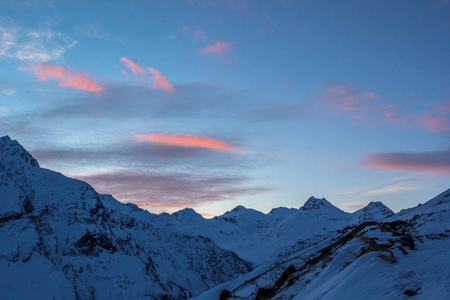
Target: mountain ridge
(67, 241)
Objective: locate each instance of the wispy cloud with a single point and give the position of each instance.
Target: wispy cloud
(217, 48)
(160, 81)
(368, 107)
(199, 34)
(134, 67)
(95, 32)
(433, 163)
(345, 99)
(433, 123)
(352, 206)
(66, 78)
(160, 192)
(395, 188)
(188, 141)
(8, 91)
(196, 35)
(33, 45)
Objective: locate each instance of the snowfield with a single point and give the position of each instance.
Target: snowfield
(63, 240)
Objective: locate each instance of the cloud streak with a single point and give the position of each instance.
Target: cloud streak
(433, 123)
(37, 46)
(188, 141)
(368, 107)
(395, 188)
(66, 78)
(160, 81)
(345, 99)
(433, 163)
(134, 67)
(159, 192)
(218, 48)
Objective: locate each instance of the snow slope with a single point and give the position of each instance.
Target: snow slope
(407, 254)
(61, 239)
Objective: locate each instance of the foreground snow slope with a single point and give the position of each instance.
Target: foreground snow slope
(408, 254)
(61, 239)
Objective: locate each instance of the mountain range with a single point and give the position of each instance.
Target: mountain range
(63, 240)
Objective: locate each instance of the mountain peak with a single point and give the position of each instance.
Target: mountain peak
(186, 212)
(11, 152)
(314, 203)
(373, 211)
(238, 208)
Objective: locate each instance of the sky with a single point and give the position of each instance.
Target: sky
(211, 104)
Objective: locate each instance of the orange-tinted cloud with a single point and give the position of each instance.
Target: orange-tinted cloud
(135, 68)
(187, 141)
(435, 163)
(216, 49)
(160, 82)
(66, 77)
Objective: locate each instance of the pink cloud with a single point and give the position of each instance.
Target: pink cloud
(160, 82)
(135, 68)
(66, 77)
(216, 49)
(434, 163)
(444, 107)
(187, 141)
(163, 191)
(345, 99)
(369, 108)
(199, 34)
(433, 123)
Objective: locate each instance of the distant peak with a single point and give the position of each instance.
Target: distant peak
(373, 211)
(314, 203)
(281, 210)
(12, 152)
(379, 206)
(186, 212)
(238, 208)
(376, 204)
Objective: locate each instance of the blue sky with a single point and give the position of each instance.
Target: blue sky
(210, 104)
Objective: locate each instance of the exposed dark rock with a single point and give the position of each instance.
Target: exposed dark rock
(288, 272)
(92, 244)
(411, 293)
(224, 295)
(264, 293)
(407, 241)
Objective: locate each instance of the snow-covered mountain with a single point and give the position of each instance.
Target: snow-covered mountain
(372, 212)
(404, 255)
(261, 238)
(63, 240)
